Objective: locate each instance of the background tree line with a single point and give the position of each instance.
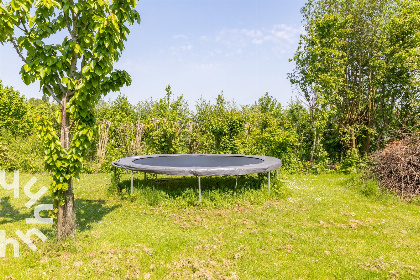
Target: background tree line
(170, 125)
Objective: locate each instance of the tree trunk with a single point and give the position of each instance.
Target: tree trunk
(313, 147)
(366, 144)
(315, 136)
(66, 217)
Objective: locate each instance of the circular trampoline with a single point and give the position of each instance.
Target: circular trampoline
(199, 165)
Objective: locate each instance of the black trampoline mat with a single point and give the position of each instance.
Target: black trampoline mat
(197, 161)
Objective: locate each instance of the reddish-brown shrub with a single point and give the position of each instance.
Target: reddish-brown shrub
(397, 167)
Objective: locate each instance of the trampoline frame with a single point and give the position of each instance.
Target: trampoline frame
(266, 165)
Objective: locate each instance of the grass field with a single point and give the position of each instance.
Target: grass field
(310, 227)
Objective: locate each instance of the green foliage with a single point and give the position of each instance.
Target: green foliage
(364, 186)
(273, 137)
(358, 60)
(13, 111)
(224, 130)
(164, 108)
(221, 125)
(163, 136)
(20, 148)
(122, 116)
(353, 162)
(264, 128)
(270, 132)
(76, 72)
(118, 112)
(20, 152)
(165, 124)
(57, 160)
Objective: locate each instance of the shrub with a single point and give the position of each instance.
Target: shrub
(353, 162)
(13, 109)
(397, 167)
(21, 153)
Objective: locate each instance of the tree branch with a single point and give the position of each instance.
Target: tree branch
(52, 93)
(15, 45)
(73, 65)
(67, 23)
(26, 62)
(20, 28)
(60, 85)
(24, 27)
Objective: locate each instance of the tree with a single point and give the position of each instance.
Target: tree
(346, 63)
(76, 72)
(320, 63)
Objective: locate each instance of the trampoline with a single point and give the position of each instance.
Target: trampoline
(199, 165)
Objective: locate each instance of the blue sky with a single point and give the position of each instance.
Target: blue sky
(201, 48)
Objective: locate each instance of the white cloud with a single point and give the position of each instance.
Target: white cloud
(180, 36)
(279, 33)
(181, 44)
(281, 37)
(186, 47)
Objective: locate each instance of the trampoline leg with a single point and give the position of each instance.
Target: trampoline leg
(277, 173)
(269, 182)
(199, 189)
(236, 183)
(144, 175)
(131, 181)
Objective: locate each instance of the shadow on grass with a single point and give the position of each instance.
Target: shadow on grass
(181, 187)
(8, 213)
(90, 211)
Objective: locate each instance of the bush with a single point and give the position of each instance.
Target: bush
(20, 153)
(13, 109)
(397, 167)
(353, 162)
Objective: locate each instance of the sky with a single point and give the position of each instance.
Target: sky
(201, 48)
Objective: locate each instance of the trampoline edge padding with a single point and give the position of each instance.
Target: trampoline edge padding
(258, 164)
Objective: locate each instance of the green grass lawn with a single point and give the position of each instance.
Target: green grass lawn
(309, 227)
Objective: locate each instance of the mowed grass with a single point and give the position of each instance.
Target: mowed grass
(310, 227)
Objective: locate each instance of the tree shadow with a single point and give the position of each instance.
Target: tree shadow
(90, 211)
(8, 213)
